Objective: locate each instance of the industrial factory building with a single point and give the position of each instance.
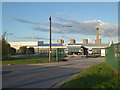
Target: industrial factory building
(83, 48)
(71, 48)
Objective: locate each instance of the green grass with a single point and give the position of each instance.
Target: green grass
(20, 58)
(27, 61)
(97, 76)
(95, 56)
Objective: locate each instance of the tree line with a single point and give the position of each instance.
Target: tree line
(8, 51)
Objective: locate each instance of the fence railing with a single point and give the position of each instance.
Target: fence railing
(112, 56)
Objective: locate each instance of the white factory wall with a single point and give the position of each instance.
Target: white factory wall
(19, 44)
(102, 52)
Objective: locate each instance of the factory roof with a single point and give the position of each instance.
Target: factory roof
(52, 45)
(90, 44)
(77, 44)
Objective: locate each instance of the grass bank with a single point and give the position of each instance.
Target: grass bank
(95, 56)
(97, 76)
(27, 61)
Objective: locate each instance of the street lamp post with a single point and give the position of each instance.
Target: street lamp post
(8, 35)
(6, 40)
(63, 28)
(50, 51)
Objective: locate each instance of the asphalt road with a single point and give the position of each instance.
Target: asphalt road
(43, 75)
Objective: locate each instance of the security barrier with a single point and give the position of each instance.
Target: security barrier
(112, 56)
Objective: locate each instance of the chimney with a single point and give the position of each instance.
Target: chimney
(97, 33)
(85, 41)
(97, 41)
(60, 41)
(72, 41)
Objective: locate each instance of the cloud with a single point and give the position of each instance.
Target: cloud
(109, 30)
(83, 28)
(34, 37)
(89, 27)
(29, 22)
(55, 25)
(60, 19)
(46, 30)
(40, 29)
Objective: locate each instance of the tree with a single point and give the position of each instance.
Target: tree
(5, 48)
(30, 50)
(12, 51)
(23, 49)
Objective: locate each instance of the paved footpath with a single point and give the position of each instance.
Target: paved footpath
(44, 75)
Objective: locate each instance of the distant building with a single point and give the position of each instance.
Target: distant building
(96, 48)
(18, 44)
(85, 41)
(60, 41)
(71, 48)
(72, 41)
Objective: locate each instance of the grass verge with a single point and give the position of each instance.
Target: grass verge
(27, 61)
(95, 56)
(97, 76)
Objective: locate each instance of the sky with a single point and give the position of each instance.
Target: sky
(29, 21)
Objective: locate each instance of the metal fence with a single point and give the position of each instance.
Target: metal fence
(112, 56)
(58, 53)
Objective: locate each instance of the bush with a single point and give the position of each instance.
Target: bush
(23, 49)
(30, 50)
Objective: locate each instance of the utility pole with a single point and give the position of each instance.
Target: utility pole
(50, 51)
